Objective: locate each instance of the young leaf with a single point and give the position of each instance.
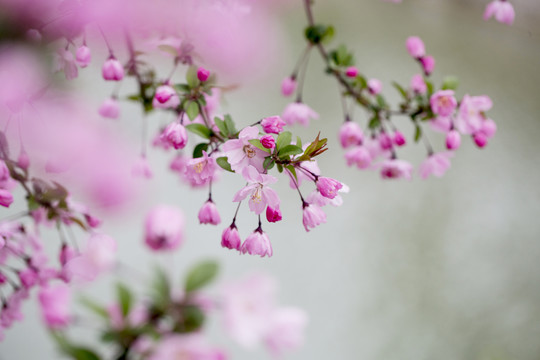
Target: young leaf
(192, 109)
(222, 161)
(125, 298)
(222, 126)
(161, 288)
(191, 77)
(401, 90)
(417, 133)
(258, 145)
(298, 141)
(283, 139)
(94, 307)
(289, 150)
(374, 122)
(268, 163)
(198, 150)
(230, 124)
(293, 171)
(279, 168)
(450, 83)
(200, 130)
(200, 275)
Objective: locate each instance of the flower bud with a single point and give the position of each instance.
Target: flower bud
(453, 140)
(385, 141)
(399, 139)
(418, 85)
(273, 124)
(23, 161)
(209, 214)
(415, 47)
(110, 109)
(165, 97)
(268, 141)
(257, 243)
(374, 86)
(6, 199)
(176, 135)
(230, 238)
(489, 128)
(351, 71)
(273, 215)
(83, 56)
(480, 139)
(66, 253)
(203, 74)
(288, 86)
(112, 70)
(428, 64)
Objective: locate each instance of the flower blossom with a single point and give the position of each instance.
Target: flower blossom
(374, 86)
(112, 69)
(208, 214)
(185, 346)
(176, 135)
(230, 238)
(502, 10)
(396, 169)
(241, 153)
(202, 74)
(83, 56)
(435, 164)
(54, 302)
(110, 108)
(428, 64)
(415, 47)
(288, 86)
(286, 330)
(201, 170)
(471, 114)
(257, 243)
(99, 256)
(260, 194)
(312, 216)
(164, 228)
(418, 85)
(298, 113)
(328, 187)
(443, 102)
(350, 134)
(273, 215)
(273, 124)
(359, 156)
(165, 97)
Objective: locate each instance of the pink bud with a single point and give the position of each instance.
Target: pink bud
(6, 199)
(273, 215)
(66, 254)
(112, 70)
(418, 85)
(428, 63)
(176, 135)
(374, 86)
(23, 160)
(110, 109)
(385, 141)
(453, 140)
(288, 86)
(29, 277)
(489, 128)
(209, 214)
(230, 238)
(399, 139)
(165, 97)
(415, 47)
(273, 124)
(351, 71)
(203, 74)
(480, 139)
(92, 221)
(268, 141)
(257, 243)
(83, 56)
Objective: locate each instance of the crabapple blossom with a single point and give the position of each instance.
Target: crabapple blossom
(396, 169)
(83, 56)
(359, 156)
(374, 86)
(203, 74)
(418, 85)
(328, 187)
(385, 141)
(298, 112)
(480, 139)
(399, 139)
(312, 216)
(208, 214)
(185, 346)
(471, 113)
(110, 108)
(6, 198)
(99, 256)
(268, 141)
(230, 238)
(443, 102)
(286, 330)
(502, 10)
(112, 69)
(436, 164)
(164, 228)
(273, 214)
(453, 140)
(351, 71)
(273, 124)
(260, 195)
(241, 153)
(350, 134)
(288, 86)
(201, 170)
(257, 243)
(66, 62)
(54, 302)
(428, 64)
(176, 135)
(165, 98)
(415, 47)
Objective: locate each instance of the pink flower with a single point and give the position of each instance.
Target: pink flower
(202, 74)
(428, 64)
(260, 194)
(350, 134)
(268, 141)
(248, 306)
(83, 56)
(6, 199)
(66, 254)
(273, 215)
(399, 139)
(298, 113)
(418, 85)
(286, 330)
(164, 228)
(272, 124)
(316, 198)
(351, 71)
(415, 47)
(257, 243)
(66, 62)
(480, 139)
(396, 169)
(471, 115)
(230, 238)
(441, 124)
(385, 141)
(54, 302)
(453, 140)
(312, 216)
(176, 135)
(28, 277)
(165, 98)
(443, 102)
(502, 10)
(288, 86)
(99, 256)
(23, 161)
(359, 156)
(209, 213)
(328, 187)
(112, 70)
(374, 86)
(110, 109)
(435, 164)
(201, 170)
(241, 153)
(489, 128)
(185, 346)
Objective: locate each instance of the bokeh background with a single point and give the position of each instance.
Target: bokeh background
(439, 269)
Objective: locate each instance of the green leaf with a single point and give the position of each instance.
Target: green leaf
(290, 150)
(268, 163)
(417, 133)
(258, 145)
(32, 203)
(200, 275)
(279, 168)
(380, 101)
(191, 77)
(94, 307)
(230, 124)
(198, 150)
(125, 298)
(168, 49)
(222, 126)
(450, 83)
(319, 33)
(283, 139)
(182, 88)
(298, 141)
(81, 353)
(199, 129)
(401, 90)
(193, 318)
(224, 163)
(161, 289)
(429, 88)
(374, 122)
(192, 109)
(293, 171)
